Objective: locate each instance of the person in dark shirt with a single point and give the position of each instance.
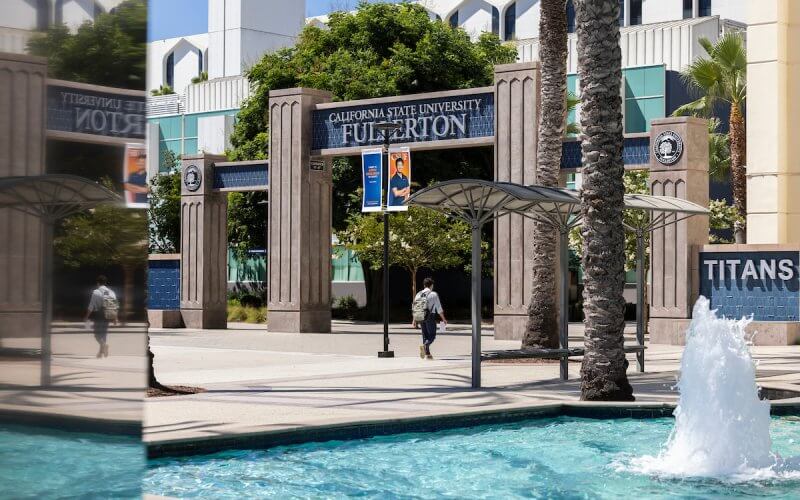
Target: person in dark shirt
(399, 186)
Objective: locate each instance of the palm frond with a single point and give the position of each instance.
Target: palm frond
(707, 45)
(699, 107)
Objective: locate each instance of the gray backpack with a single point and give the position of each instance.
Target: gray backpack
(419, 308)
(110, 306)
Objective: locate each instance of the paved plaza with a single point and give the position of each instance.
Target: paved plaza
(259, 381)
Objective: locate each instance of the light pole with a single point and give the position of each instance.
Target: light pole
(387, 129)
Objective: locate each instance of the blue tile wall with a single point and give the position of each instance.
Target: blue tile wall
(241, 176)
(636, 151)
(164, 284)
(328, 135)
(767, 299)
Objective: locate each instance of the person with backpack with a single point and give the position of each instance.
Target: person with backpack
(427, 311)
(102, 310)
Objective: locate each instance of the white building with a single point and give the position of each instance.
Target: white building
(239, 33)
(24, 18)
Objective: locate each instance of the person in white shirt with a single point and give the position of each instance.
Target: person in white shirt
(96, 312)
(433, 313)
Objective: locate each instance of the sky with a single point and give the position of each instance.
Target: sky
(173, 18)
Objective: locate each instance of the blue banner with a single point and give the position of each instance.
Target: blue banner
(372, 177)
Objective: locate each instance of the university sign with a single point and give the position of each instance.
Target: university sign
(765, 284)
(94, 114)
(433, 118)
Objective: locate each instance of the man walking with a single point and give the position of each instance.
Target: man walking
(427, 310)
(103, 307)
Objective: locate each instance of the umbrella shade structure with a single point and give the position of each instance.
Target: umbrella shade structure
(51, 197)
(663, 211)
(478, 201)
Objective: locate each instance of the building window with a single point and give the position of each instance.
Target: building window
(705, 8)
(570, 17)
(511, 22)
(636, 12)
(454, 20)
(199, 62)
(495, 21)
(687, 9)
(43, 15)
(622, 12)
(170, 69)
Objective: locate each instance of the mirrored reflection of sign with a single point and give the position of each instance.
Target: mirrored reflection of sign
(192, 178)
(135, 176)
(668, 147)
(372, 178)
(765, 284)
(79, 110)
(399, 183)
(452, 117)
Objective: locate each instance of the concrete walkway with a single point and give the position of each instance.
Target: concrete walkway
(260, 381)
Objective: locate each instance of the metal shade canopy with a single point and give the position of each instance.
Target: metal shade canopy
(51, 197)
(478, 201)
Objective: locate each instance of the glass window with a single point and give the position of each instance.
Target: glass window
(636, 12)
(705, 8)
(171, 69)
(687, 9)
(570, 17)
(622, 12)
(454, 20)
(511, 22)
(199, 61)
(495, 21)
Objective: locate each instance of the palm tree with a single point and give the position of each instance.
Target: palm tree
(722, 77)
(603, 372)
(542, 326)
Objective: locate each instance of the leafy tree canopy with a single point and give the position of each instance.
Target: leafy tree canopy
(109, 51)
(164, 214)
(420, 238)
(378, 50)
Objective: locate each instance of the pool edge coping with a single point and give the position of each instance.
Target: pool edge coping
(342, 431)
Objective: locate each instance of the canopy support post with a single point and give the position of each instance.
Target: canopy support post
(640, 297)
(47, 301)
(476, 304)
(563, 323)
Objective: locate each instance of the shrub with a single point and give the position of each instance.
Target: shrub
(256, 315)
(237, 313)
(346, 307)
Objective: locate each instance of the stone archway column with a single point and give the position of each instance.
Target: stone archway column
(674, 257)
(516, 88)
(299, 260)
(204, 245)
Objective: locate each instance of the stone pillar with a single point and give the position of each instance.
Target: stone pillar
(204, 245)
(299, 262)
(516, 107)
(674, 284)
(773, 117)
(23, 121)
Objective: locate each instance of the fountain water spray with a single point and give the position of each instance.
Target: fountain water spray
(721, 425)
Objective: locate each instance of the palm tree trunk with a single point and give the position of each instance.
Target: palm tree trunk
(603, 372)
(542, 327)
(738, 174)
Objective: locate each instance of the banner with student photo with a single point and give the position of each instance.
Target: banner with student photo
(134, 176)
(372, 178)
(399, 184)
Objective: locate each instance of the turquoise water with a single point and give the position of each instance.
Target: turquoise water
(546, 458)
(39, 463)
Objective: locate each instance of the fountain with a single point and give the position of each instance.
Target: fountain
(721, 426)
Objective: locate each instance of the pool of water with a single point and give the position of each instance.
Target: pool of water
(547, 458)
(43, 463)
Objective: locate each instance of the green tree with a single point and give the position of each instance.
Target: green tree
(411, 245)
(603, 371)
(164, 213)
(541, 330)
(722, 78)
(109, 51)
(723, 217)
(719, 152)
(247, 221)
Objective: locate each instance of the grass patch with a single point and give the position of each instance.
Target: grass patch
(246, 314)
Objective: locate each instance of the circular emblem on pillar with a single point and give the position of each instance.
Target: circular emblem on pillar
(192, 178)
(668, 147)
